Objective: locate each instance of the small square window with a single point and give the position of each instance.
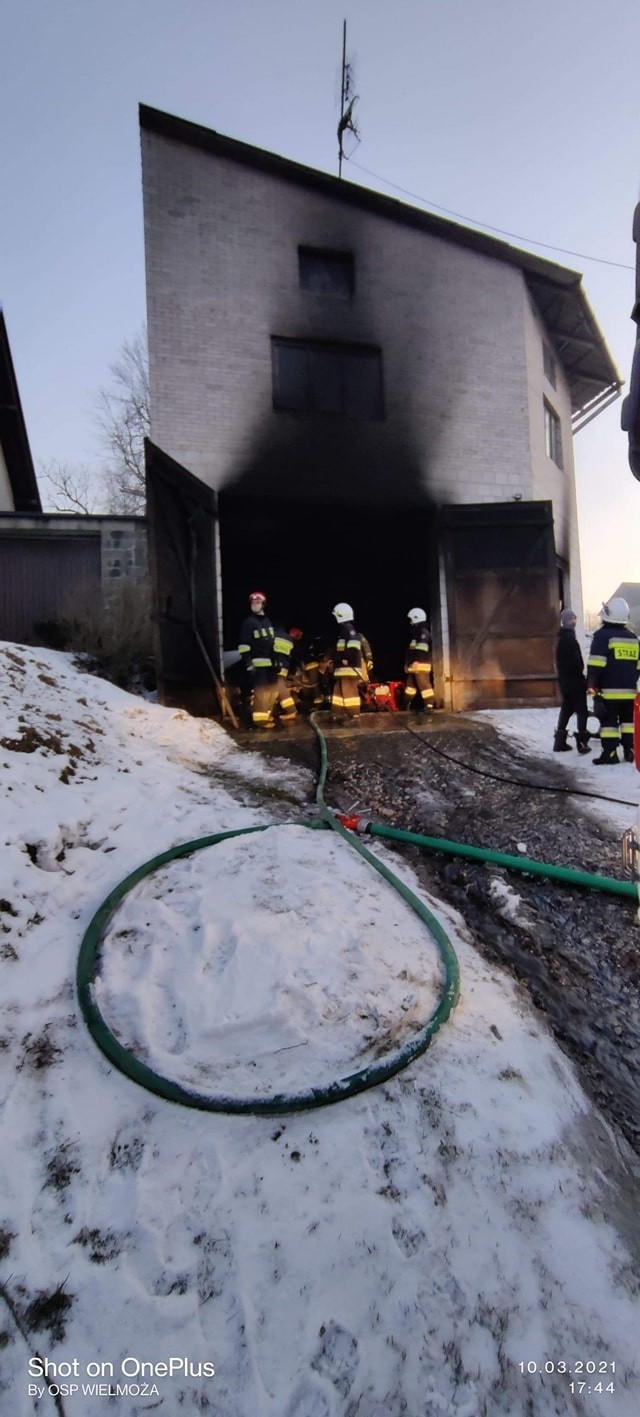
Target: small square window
(326, 272)
(549, 365)
(552, 435)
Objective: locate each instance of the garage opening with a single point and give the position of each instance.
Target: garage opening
(307, 556)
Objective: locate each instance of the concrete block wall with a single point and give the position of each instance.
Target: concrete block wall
(222, 279)
(123, 553)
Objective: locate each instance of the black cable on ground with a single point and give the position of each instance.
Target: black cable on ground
(515, 781)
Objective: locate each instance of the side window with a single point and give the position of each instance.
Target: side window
(326, 272)
(549, 365)
(552, 435)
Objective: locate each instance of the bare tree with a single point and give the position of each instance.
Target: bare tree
(67, 487)
(122, 417)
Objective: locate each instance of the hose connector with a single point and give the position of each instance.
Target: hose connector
(353, 822)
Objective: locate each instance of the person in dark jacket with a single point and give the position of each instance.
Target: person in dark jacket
(573, 686)
(256, 650)
(612, 674)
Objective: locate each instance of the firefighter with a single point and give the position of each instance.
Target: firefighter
(573, 686)
(256, 650)
(347, 665)
(612, 673)
(283, 646)
(418, 689)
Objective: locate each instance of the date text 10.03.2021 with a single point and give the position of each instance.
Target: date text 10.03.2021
(580, 1370)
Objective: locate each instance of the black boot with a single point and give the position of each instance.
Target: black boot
(560, 744)
(607, 756)
(582, 742)
(629, 755)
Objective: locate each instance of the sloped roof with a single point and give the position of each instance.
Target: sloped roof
(630, 591)
(13, 434)
(557, 291)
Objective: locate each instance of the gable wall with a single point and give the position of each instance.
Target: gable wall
(222, 278)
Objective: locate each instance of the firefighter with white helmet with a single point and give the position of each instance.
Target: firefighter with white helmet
(612, 673)
(256, 650)
(348, 662)
(418, 689)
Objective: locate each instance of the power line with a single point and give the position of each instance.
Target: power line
(513, 236)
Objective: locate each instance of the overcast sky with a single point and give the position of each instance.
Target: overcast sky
(520, 118)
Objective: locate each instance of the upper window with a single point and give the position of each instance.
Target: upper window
(326, 272)
(552, 434)
(549, 365)
(312, 377)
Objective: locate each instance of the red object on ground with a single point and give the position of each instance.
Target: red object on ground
(636, 731)
(350, 822)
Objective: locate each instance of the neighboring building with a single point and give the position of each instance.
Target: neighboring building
(52, 565)
(18, 486)
(380, 405)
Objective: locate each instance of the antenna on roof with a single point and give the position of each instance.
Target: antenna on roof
(348, 100)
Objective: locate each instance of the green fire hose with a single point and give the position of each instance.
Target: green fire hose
(281, 1103)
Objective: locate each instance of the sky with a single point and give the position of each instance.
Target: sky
(440, 1244)
(527, 122)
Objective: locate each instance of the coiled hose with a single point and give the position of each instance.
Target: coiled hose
(281, 1103)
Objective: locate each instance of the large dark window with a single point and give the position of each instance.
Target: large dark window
(326, 272)
(312, 377)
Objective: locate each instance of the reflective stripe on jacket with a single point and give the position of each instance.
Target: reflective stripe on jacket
(612, 666)
(256, 642)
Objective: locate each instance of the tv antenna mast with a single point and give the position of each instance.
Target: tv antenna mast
(348, 100)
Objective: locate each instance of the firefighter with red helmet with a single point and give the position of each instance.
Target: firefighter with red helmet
(257, 654)
(418, 689)
(612, 674)
(348, 662)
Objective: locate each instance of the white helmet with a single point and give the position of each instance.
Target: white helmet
(342, 612)
(416, 616)
(615, 612)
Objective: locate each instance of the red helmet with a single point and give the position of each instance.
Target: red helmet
(295, 633)
(258, 595)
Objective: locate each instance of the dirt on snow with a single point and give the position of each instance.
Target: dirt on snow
(576, 951)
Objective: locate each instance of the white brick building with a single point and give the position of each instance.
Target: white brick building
(340, 369)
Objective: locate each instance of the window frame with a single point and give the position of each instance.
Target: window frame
(549, 364)
(553, 435)
(347, 356)
(338, 259)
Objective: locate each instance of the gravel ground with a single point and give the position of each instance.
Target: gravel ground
(576, 951)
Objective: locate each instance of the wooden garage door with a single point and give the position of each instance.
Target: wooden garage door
(44, 578)
(502, 602)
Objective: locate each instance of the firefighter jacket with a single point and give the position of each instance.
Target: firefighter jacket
(282, 651)
(569, 662)
(612, 666)
(348, 658)
(256, 647)
(367, 655)
(419, 650)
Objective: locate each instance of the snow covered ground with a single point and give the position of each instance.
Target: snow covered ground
(462, 1240)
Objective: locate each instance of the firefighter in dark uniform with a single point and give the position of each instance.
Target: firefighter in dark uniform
(256, 650)
(612, 673)
(348, 663)
(418, 689)
(573, 686)
(283, 646)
